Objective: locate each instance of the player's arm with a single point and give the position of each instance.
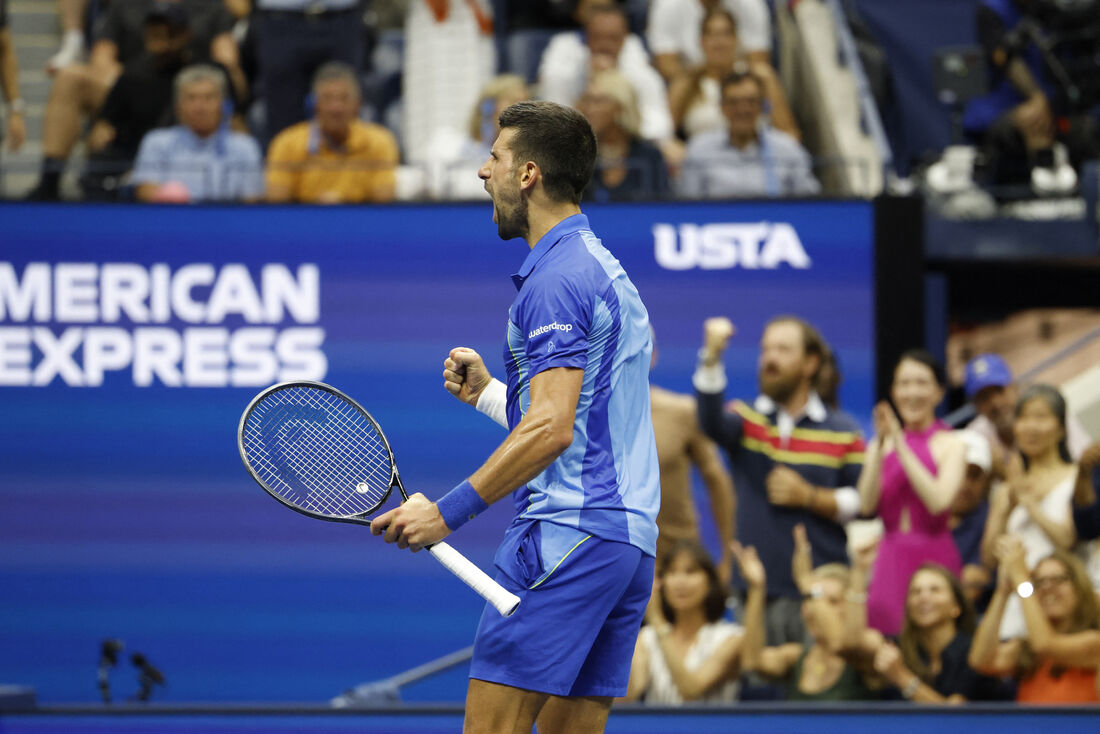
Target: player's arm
(543, 434)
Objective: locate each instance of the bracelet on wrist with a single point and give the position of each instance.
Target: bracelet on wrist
(17, 106)
(911, 688)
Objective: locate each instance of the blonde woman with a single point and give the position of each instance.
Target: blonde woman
(627, 166)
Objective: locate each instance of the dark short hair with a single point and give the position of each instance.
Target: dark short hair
(714, 604)
(559, 140)
(736, 77)
(923, 356)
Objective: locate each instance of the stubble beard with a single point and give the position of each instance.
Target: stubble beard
(512, 216)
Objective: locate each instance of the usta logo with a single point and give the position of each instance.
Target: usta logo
(758, 245)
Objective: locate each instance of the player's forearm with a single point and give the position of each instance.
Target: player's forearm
(534, 444)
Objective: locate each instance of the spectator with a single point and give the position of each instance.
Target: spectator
(820, 668)
(1086, 510)
(989, 386)
(294, 38)
(928, 663)
(911, 475)
(970, 512)
(695, 96)
(1056, 662)
(793, 460)
(1039, 112)
(336, 158)
(1035, 503)
(454, 157)
(572, 58)
(627, 167)
(79, 90)
(448, 57)
(138, 102)
(199, 159)
(680, 444)
(16, 126)
(71, 14)
(748, 158)
(673, 31)
(686, 651)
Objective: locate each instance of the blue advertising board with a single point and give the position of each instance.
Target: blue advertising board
(132, 338)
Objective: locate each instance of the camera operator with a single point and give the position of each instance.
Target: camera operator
(1041, 109)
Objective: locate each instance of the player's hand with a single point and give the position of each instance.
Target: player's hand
(414, 524)
(465, 374)
(717, 332)
(787, 488)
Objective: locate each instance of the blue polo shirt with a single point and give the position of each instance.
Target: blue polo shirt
(227, 166)
(577, 308)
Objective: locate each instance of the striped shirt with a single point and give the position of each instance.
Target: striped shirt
(823, 446)
(577, 308)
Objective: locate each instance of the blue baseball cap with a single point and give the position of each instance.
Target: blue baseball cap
(986, 370)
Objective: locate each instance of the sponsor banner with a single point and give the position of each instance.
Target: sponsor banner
(131, 338)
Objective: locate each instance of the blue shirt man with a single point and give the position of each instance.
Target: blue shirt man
(199, 159)
(580, 460)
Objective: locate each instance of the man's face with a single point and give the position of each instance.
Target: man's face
(200, 107)
(606, 33)
(783, 364)
(501, 177)
(741, 105)
(998, 404)
(337, 104)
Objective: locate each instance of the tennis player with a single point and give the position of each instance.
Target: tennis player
(580, 460)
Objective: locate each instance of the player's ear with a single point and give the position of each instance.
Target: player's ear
(529, 175)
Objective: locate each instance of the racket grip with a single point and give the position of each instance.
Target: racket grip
(504, 600)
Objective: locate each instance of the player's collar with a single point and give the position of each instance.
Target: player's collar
(567, 226)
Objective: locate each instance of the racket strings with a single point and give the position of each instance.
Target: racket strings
(318, 452)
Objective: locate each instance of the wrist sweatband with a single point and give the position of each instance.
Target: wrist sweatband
(460, 505)
(493, 402)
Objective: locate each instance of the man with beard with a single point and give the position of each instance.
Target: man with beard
(580, 461)
(794, 459)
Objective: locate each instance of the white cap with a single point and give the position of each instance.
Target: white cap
(978, 452)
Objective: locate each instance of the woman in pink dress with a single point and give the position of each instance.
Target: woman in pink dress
(911, 473)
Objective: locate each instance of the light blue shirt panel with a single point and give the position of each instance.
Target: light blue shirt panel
(227, 166)
(566, 494)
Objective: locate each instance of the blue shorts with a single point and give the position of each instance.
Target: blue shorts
(574, 631)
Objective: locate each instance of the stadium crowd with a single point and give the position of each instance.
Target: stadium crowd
(683, 95)
(922, 563)
(928, 563)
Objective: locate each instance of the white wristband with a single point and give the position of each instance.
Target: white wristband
(710, 379)
(16, 106)
(493, 402)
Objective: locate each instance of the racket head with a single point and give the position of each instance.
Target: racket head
(317, 451)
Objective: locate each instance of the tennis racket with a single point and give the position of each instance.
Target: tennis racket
(320, 453)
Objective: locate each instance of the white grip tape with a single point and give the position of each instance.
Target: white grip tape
(504, 600)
